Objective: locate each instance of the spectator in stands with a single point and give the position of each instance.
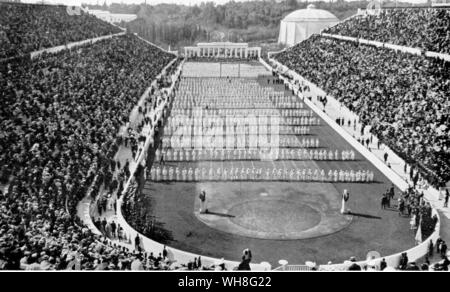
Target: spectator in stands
(412, 267)
(403, 261)
(354, 266)
(136, 264)
(383, 264)
(442, 265)
(246, 259)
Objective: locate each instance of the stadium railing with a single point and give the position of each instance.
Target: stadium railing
(57, 49)
(404, 49)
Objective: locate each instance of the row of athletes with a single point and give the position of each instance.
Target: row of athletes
(250, 154)
(247, 141)
(213, 111)
(182, 130)
(240, 121)
(222, 106)
(166, 173)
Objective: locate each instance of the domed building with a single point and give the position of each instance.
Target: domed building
(300, 24)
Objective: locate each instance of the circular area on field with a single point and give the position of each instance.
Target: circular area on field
(266, 211)
(274, 218)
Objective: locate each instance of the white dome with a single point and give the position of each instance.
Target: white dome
(310, 14)
(301, 24)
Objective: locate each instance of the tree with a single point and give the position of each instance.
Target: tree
(196, 10)
(250, 20)
(291, 3)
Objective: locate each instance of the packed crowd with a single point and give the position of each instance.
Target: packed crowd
(25, 28)
(403, 97)
(426, 29)
(60, 117)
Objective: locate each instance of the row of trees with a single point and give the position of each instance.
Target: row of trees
(178, 25)
(167, 34)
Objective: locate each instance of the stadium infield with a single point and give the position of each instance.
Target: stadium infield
(295, 221)
(175, 206)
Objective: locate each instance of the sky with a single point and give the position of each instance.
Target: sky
(154, 2)
(150, 2)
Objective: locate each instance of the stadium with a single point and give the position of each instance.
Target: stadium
(327, 151)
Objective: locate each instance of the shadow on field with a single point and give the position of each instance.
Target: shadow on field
(364, 215)
(220, 214)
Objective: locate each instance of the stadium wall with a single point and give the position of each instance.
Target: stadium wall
(57, 49)
(409, 50)
(156, 46)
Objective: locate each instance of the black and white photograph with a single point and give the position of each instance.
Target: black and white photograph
(246, 138)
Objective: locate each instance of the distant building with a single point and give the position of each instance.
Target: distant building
(440, 3)
(222, 50)
(300, 24)
(112, 17)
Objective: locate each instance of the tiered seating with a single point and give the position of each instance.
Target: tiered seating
(26, 28)
(403, 97)
(418, 28)
(60, 117)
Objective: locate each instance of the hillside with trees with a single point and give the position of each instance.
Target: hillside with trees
(252, 21)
